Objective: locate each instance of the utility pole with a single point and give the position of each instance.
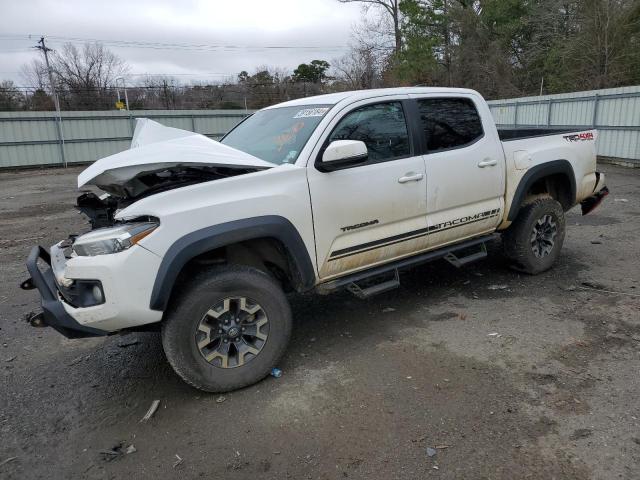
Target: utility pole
(45, 50)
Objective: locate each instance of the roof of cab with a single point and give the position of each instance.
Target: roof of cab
(355, 95)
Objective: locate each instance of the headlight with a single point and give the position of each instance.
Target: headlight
(113, 239)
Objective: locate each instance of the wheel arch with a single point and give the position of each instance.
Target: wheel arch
(557, 171)
(208, 239)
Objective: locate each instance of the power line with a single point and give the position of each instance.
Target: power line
(179, 46)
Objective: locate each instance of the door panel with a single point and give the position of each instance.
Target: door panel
(364, 215)
(465, 169)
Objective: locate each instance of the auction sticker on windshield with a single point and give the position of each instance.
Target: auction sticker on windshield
(311, 112)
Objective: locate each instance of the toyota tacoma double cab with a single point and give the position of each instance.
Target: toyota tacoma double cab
(205, 239)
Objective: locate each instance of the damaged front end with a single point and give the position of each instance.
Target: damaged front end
(160, 159)
(101, 209)
(72, 277)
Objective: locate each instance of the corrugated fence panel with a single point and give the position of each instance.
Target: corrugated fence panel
(614, 112)
(31, 138)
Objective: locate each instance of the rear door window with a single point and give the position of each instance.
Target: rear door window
(449, 123)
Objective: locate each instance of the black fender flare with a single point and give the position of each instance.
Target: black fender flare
(216, 236)
(536, 173)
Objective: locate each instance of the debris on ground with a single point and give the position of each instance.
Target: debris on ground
(497, 287)
(431, 452)
(388, 310)
(623, 200)
(276, 372)
(8, 460)
(152, 410)
(596, 242)
(442, 447)
(494, 334)
(180, 460)
(117, 451)
(220, 399)
(75, 361)
(111, 453)
(10, 359)
(581, 433)
(129, 344)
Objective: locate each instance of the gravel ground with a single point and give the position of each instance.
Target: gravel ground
(479, 373)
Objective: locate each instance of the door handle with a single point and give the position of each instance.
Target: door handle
(411, 177)
(487, 162)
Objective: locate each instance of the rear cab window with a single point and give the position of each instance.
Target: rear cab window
(448, 123)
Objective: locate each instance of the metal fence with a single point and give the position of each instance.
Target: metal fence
(31, 138)
(615, 112)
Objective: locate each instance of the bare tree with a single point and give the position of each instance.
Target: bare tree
(10, 96)
(92, 66)
(360, 68)
(34, 74)
(82, 75)
(392, 9)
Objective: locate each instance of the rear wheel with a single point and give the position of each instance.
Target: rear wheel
(534, 240)
(227, 329)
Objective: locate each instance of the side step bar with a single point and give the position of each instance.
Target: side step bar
(352, 281)
(461, 261)
(376, 288)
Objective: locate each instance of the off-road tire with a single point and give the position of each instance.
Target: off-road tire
(194, 300)
(518, 238)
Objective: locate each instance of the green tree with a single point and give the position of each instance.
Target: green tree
(314, 72)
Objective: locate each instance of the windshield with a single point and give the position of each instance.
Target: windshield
(278, 134)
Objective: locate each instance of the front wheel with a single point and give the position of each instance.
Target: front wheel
(534, 240)
(227, 329)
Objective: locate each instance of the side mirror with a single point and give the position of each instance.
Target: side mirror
(341, 154)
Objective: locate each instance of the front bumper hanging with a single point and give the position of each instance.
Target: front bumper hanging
(589, 204)
(53, 314)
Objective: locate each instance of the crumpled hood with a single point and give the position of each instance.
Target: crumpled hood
(155, 147)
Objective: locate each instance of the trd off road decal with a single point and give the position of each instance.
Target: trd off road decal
(578, 137)
(403, 237)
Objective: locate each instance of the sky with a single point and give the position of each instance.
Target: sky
(192, 40)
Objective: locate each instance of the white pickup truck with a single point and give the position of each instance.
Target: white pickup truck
(204, 239)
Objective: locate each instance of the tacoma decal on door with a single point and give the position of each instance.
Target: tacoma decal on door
(464, 220)
(385, 242)
(359, 225)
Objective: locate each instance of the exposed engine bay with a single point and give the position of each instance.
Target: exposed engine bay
(101, 209)
(160, 159)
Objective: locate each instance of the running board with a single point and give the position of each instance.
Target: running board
(375, 289)
(405, 263)
(458, 262)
